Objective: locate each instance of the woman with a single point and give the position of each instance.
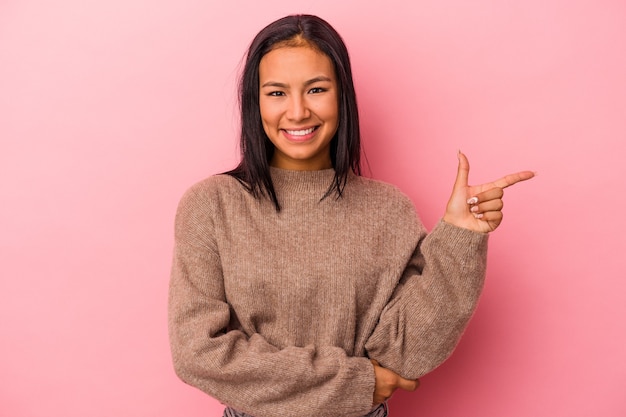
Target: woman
(298, 287)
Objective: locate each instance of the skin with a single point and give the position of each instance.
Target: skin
(298, 93)
(479, 207)
(388, 381)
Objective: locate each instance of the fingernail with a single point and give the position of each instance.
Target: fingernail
(478, 216)
(474, 209)
(472, 200)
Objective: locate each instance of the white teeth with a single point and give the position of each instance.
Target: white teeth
(300, 132)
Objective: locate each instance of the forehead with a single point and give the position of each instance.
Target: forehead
(295, 62)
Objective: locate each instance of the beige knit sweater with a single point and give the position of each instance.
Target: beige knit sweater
(276, 313)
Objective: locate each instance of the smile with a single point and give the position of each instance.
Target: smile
(300, 132)
(300, 135)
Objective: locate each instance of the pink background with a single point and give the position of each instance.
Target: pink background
(109, 110)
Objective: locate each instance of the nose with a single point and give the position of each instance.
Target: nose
(298, 109)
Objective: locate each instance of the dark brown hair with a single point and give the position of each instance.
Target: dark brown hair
(256, 148)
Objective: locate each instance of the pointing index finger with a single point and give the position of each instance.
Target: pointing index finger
(511, 179)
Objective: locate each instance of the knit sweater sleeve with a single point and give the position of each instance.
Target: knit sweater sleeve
(433, 302)
(245, 371)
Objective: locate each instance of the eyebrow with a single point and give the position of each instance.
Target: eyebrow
(320, 78)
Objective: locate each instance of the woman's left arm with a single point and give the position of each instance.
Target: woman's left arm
(439, 289)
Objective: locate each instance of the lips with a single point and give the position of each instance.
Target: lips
(299, 135)
(301, 132)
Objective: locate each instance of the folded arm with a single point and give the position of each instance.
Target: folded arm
(437, 294)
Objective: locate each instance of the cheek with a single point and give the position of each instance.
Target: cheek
(269, 115)
(270, 132)
(333, 115)
(329, 111)
(334, 109)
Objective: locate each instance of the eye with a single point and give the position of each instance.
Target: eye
(316, 90)
(276, 93)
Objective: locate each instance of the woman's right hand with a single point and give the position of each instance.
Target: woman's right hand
(387, 381)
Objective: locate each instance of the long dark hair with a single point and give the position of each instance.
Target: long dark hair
(256, 148)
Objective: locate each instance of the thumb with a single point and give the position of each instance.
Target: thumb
(462, 175)
(408, 384)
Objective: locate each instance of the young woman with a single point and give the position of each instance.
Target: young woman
(299, 287)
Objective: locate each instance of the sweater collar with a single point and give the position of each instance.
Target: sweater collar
(309, 182)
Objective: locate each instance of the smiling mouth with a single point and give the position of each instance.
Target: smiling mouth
(301, 132)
